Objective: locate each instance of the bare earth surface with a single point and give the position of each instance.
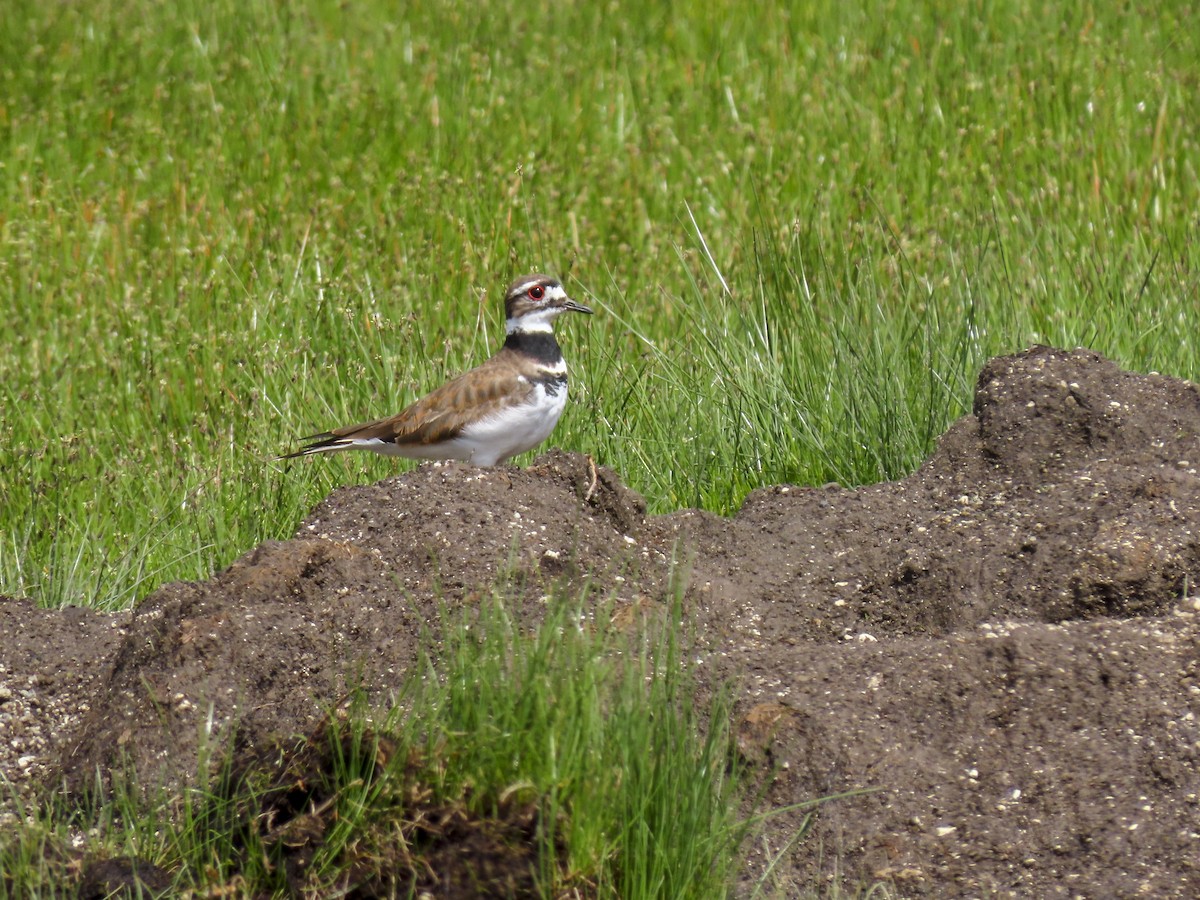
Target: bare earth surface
(1005, 645)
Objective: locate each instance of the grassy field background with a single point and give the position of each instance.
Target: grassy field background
(804, 227)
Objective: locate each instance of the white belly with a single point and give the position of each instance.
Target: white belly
(514, 430)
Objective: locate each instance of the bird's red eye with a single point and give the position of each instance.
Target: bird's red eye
(537, 292)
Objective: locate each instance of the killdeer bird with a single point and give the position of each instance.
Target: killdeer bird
(506, 406)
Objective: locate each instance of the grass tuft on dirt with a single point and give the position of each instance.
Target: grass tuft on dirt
(572, 759)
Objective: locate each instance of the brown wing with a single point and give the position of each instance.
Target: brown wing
(441, 415)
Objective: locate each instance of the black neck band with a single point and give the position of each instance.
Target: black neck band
(539, 345)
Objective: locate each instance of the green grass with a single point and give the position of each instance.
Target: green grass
(225, 225)
(598, 731)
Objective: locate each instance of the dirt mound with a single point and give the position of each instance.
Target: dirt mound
(53, 665)
(274, 642)
(1002, 522)
(1004, 645)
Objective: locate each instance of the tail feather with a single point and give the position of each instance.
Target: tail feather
(325, 442)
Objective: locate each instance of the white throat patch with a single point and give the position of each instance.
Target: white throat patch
(535, 322)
